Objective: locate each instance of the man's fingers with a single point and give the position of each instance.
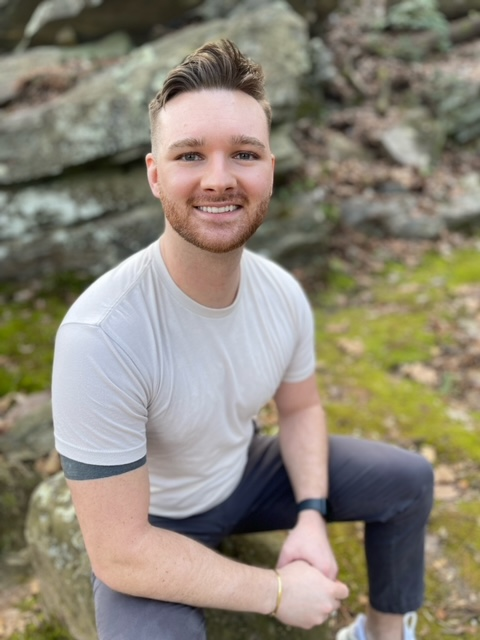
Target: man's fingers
(341, 590)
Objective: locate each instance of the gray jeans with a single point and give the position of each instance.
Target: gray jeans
(387, 488)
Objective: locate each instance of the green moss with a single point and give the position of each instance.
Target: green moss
(457, 527)
(29, 318)
(390, 339)
(364, 392)
(347, 543)
(437, 271)
(44, 630)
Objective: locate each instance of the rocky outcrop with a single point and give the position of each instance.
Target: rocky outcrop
(81, 200)
(74, 129)
(105, 114)
(39, 22)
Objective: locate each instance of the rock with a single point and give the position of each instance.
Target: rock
(31, 437)
(61, 565)
(462, 213)
(59, 558)
(455, 102)
(90, 248)
(77, 198)
(33, 22)
(339, 147)
(19, 68)
(81, 201)
(403, 146)
(389, 216)
(288, 157)
(27, 438)
(52, 10)
(106, 113)
(89, 19)
(17, 481)
(70, 201)
(296, 231)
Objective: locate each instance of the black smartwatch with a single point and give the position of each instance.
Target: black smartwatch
(317, 504)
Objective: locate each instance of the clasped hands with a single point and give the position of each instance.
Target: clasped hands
(308, 569)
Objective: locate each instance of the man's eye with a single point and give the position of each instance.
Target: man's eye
(189, 157)
(246, 155)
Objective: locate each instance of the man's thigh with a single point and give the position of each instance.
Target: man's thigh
(368, 481)
(119, 616)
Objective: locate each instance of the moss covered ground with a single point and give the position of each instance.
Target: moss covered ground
(371, 335)
(398, 347)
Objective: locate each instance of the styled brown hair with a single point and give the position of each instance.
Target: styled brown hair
(215, 65)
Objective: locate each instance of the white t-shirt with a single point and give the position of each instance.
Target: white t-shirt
(143, 370)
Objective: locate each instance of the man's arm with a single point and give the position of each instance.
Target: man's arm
(304, 446)
(133, 557)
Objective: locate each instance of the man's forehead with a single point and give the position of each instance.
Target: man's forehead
(199, 102)
(195, 116)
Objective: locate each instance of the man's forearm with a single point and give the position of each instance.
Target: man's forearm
(304, 445)
(168, 566)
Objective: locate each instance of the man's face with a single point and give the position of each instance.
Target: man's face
(212, 167)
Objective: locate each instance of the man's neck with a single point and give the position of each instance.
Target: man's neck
(211, 279)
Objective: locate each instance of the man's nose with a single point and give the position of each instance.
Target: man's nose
(218, 175)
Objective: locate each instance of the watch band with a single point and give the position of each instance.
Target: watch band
(317, 504)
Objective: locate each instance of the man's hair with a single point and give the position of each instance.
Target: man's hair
(215, 65)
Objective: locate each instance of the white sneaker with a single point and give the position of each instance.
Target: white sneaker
(356, 631)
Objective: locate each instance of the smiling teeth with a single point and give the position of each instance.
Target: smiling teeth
(229, 209)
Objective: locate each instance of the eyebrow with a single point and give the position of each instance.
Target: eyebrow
(200, 142)
(187, 142)
(255, 142)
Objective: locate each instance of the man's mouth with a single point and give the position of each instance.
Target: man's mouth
(226, 209)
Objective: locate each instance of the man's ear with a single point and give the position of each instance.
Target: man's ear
(273, 172)
(152, 173)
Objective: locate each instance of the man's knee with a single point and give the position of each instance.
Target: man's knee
(425, 480)
(415, 481)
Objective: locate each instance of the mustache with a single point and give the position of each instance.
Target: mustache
(226, 199)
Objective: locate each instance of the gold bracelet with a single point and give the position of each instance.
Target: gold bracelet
(279, 593)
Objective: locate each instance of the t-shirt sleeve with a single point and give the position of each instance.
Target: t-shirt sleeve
(99, 400)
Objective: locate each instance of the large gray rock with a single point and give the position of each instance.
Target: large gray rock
(106, 113)
(69, 201)
(59, 558)
(86, 19)
(60, 562)
(25, 438)
(45, 22)
(75, 194)
(45, 64)
(89, 248)
(390, 216)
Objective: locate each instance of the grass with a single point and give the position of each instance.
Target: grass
(29, 317)
(366, 394)
(363, 343)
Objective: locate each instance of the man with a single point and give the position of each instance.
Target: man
(160, 369)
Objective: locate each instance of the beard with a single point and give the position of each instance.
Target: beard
(215, 237)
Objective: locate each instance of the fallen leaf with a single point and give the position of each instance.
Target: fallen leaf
(352, 346)
(420, 373)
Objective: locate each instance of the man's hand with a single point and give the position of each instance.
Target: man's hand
(309, 597)
(308, 541)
